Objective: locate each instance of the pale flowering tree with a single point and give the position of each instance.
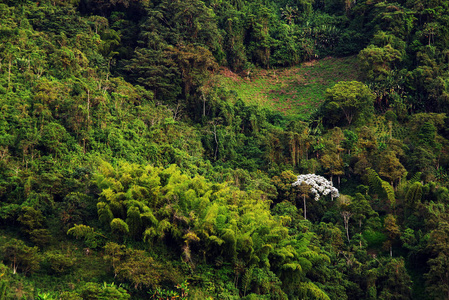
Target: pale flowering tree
(316, 185)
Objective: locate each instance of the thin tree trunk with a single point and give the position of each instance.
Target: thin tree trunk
(107, 73)
(347, 232)
(204, 104)
(14, 265)
(346, 215)
(305, 209)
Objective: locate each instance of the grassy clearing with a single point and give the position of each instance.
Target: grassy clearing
(296, 91)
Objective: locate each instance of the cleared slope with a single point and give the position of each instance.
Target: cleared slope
(295, 91)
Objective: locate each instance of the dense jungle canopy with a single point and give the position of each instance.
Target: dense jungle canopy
(148, 149)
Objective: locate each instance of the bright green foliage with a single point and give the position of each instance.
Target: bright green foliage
(296, 91)
(91, 238)
(353, 98)
(94, 291)
(414, 195)
(207, 220)
(134, 221)
(124, 115)
(119, 227)
(382, 188)
(309, 289)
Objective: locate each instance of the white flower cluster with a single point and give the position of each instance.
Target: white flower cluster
(320, 186)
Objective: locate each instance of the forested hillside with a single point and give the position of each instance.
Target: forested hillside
(187, 149)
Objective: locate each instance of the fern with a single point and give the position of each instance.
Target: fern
(149, 234)
(163, 227)
(292, 267)
(230, 241)
(81, 231)
(309, 289)
(148, 219)
(374, 181)
(382, 188)
(215, 239)
(414, 194)
(416, 177)
(119, 226)
(88, 233)
(389, 192)
(305, 264)
(104, 213)
(436, 209)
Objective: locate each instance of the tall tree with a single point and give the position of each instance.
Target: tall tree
(353, 98)
(315, 184)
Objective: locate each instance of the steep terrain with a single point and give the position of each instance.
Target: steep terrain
(148, 149)
(296, 91)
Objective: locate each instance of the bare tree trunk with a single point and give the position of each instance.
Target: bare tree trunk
(109, 67)
(346, 215)
(204, 104)
(14, 265)
(305, 208)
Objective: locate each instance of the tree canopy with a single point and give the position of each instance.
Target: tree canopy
(148, 149)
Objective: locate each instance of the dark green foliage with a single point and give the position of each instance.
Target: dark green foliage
(121, 124)
(58, 262)
(21, 257)
(3, 289)
(95, 291)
